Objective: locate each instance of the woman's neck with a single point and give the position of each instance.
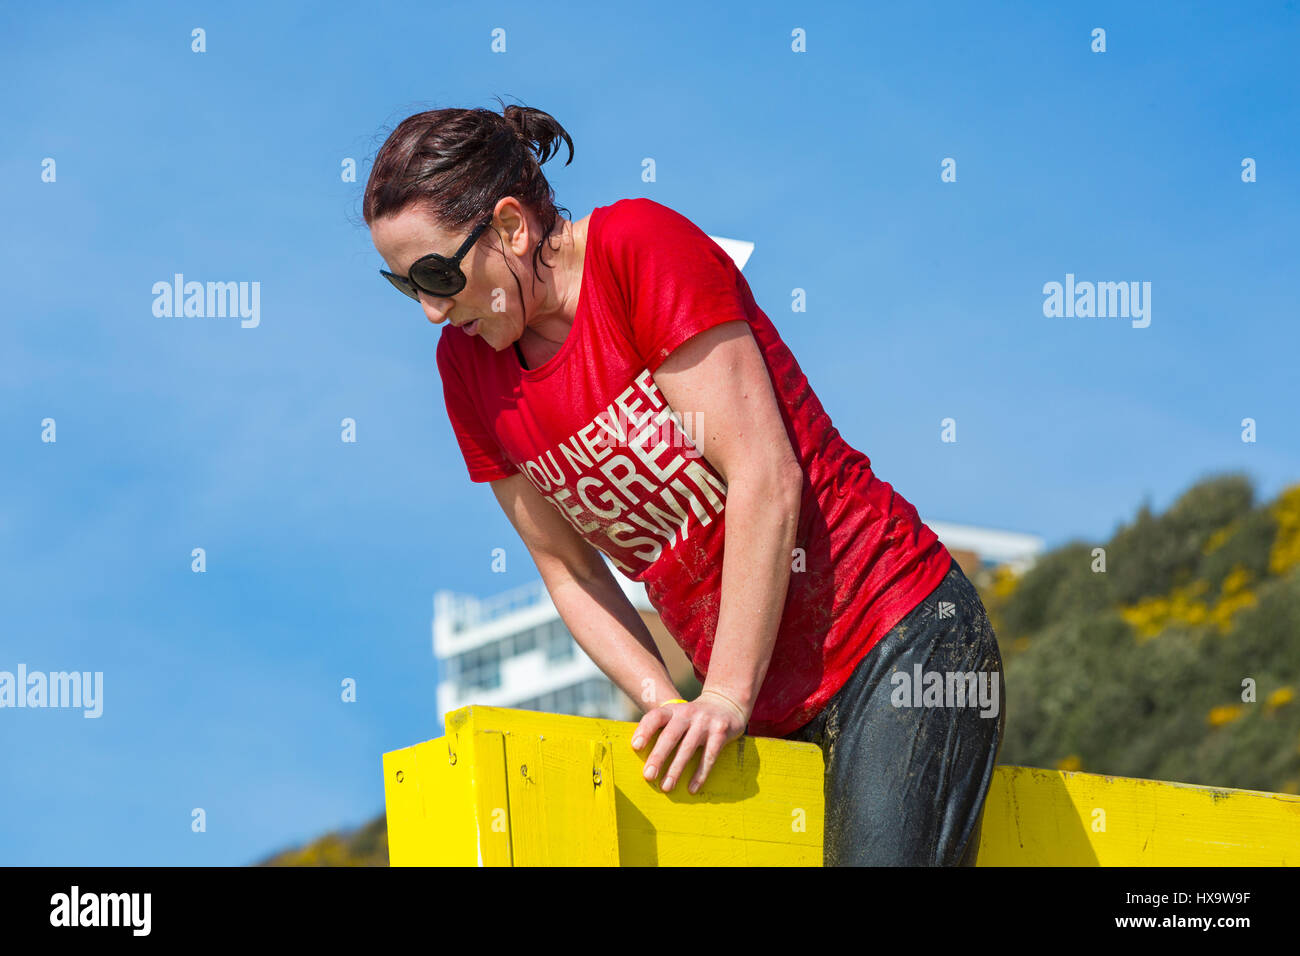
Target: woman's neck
(544, 336)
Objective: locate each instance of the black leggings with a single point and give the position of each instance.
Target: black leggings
(907, 770)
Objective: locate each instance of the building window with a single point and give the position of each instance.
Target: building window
(559, 644)
(478, 669)
(520, 643)
(487, 676)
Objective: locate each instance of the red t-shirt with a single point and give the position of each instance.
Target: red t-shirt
(592, 433)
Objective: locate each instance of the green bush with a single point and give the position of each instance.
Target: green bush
(1085, 685)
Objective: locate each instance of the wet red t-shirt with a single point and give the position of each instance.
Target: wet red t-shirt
(595, 436)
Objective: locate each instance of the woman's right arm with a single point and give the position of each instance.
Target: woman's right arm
(592, 605)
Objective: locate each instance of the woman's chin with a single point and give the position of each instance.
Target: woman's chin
(496, 338)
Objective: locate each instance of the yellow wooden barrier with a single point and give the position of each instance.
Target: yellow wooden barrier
(1038, 817)
(521, 788)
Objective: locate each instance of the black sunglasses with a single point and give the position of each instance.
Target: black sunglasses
(434, 274)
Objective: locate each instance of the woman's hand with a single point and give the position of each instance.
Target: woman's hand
(712, 719)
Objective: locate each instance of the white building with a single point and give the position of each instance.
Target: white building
(975, 548)
(512, 650)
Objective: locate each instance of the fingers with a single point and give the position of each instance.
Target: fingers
(674, 724)
(650, 723)
(695, 732)
(683, 727)
(717, 740)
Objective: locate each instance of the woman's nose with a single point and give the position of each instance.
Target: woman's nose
(435, 309)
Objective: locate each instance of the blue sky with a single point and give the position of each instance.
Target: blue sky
(222, 689)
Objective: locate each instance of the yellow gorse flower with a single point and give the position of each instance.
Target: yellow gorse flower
(1004, 582)
(1226, 714)
(1219, 538)
(1152, 615)
(1279, 698)
(1233, 596)
(1184, 606)
(1285, 553)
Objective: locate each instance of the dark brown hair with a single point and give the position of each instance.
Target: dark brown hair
(457, 163)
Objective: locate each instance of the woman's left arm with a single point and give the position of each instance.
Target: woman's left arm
(720, 379)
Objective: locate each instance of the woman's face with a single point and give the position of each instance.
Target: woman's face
(489, 305)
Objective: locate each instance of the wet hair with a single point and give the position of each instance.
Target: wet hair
(457, 163)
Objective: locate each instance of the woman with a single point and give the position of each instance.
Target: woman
(628, 398)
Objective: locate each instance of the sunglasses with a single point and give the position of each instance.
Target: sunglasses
(434, 274)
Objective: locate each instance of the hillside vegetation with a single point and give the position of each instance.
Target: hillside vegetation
(1179, 661)
(365, 846)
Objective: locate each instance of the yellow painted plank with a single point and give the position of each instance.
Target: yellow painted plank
(646, 847)
(561, 793)
(430, 819)
(492, 799)
(1037, 817)
(527, 797)
(763, 799)
(446, 802)
(478, 760)
(603, 812)
(762, 804)
(405, 815)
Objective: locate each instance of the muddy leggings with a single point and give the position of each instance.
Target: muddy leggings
(909, 760)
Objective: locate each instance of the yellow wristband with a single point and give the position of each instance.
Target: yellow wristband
(675, 700)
